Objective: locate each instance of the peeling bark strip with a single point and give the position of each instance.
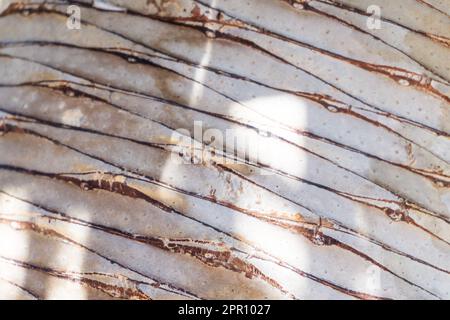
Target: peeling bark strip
(356, 204)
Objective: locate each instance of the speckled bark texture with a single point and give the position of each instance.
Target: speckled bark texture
(118, 180)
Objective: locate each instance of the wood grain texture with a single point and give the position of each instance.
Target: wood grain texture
(348, 197)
